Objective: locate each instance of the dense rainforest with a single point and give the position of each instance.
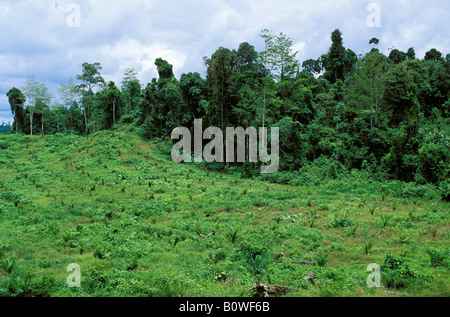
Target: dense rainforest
(387, 115)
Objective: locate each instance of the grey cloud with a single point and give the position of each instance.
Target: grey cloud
(35, 38)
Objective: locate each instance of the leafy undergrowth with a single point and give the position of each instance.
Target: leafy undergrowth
(138, 224)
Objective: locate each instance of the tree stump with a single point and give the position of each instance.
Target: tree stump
(266, 290)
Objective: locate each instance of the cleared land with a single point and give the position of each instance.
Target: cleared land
(139, 224)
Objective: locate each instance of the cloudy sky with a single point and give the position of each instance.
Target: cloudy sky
(51, 39)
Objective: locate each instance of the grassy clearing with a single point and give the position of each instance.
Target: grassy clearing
(139, 224)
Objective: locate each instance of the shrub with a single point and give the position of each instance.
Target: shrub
(311, 218)
(10, 196)
(444, 189)
(353, 229)
(397, 272)
(385, 220)
(218, 256)
(102, 252)
(3, 249)
(341, 222)
(367, 245)
(256, 259)
(16, 286)
(394, 206)
(437, 257)
(232, 235)
(42, 287)
(95, 280)
(132, 264)
(8, 264)
(432, 158)
(372, 209)
(321, 257)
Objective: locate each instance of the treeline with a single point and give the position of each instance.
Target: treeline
(384, 114)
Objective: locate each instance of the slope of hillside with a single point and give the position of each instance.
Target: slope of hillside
(138, 224)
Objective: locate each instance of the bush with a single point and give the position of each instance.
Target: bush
(437, 257)
(10, 196)
(432, 162)
(102, 252)
(15, 286)
(409, 190)
(444, 189)
(321, 257)
(256, 259)
(8, 264)
(95, 280)
(341, 222)
(397, 272)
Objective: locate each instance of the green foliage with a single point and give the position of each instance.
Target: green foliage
(8, 264)
(360, 134)
(321, 257)
(256, 259)
(444, 188)
(342, 222)
(202, 232)
(385, 220)
(339, 61)
(17, 99)
(278, 57)
(397, 272)
(367, 245)
(433, 161)
(386, 115)
(437, 257)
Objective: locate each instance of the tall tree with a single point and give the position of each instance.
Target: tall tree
(278, 59)
(70, 94)
(30, 91)
(38, 96)
(402, 100)
(312, 66)
(397, 56)
(245, 58)
(165, 71)
(402, 88)
(131, 90)
(338, 62)
(411, 53)
(218, 81)
(90, 78)
(365, 89)
(16, 100)
(279, 56)
(113, 98)
(163, 103)
(107, 103)
(433, 55)
(374, 40)
(437, 90)
(42, 108)
(333, 62)
(194, 93)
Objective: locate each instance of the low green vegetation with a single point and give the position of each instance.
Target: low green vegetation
(87, 180)
(138, 224)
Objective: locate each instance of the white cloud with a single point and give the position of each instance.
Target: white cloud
(132, 34)
(129, 53)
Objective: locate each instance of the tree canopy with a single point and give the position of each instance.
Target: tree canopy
(387, 113)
